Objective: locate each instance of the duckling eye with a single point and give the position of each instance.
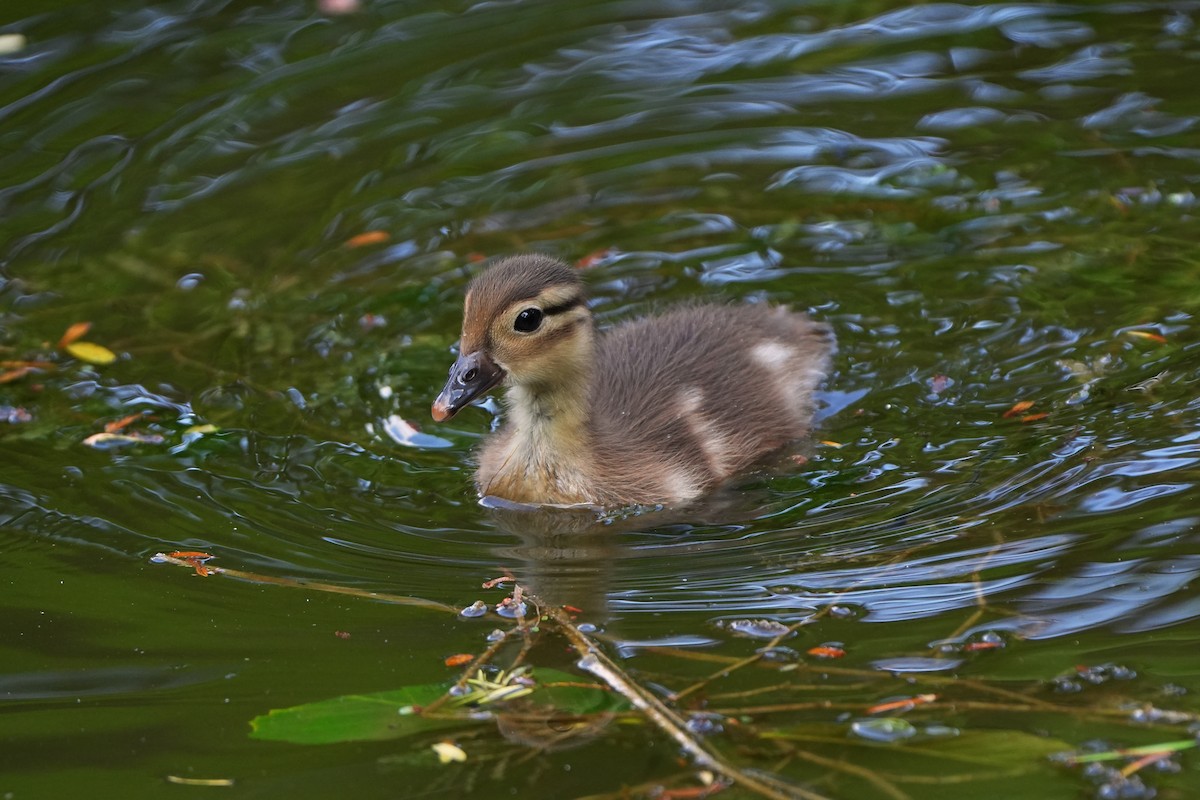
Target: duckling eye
(528, 320)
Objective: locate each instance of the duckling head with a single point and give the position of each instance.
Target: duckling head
(525, 324)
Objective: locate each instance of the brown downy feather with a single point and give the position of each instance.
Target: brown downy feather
(656, 410)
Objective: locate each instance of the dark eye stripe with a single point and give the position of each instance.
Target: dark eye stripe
(564, 306)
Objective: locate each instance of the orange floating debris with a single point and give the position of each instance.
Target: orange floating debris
(74, 333)
(1019, 407)
(116, 425)
(1144, 761)
(458, 659)
(1034, 417)
(195, 559)
(690, 792)
(18, 370)
(903, 704)
(368, 238)
(826, 651)
(29, 364)
(1154, 337)
(593, 258)
(15, 374)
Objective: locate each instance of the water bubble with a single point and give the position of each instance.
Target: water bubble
(784, 654)
(756, 628)
(916, 664)
(940, 730)
(884, 730)
(476, 609)
(189, 281)
(705, 724)
(512, 610)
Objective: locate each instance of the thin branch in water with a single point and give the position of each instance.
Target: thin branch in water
(596, 662)
(870, 776)
(301, 583)
(468, 673)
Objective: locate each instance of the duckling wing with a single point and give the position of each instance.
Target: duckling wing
(690, 397)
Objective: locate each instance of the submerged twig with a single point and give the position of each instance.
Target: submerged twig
(748, 660)
(300, 583)
(468, 673)
(870, 776)
(596, 662)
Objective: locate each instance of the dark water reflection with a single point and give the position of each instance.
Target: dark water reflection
(990, 203)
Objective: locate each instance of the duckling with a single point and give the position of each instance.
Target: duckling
(657, 410)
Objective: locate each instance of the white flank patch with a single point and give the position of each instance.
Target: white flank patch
(772, 354)
(792, 381)
(681, 485)
(715, 445)
(690, 400)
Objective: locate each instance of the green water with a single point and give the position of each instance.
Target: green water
(990, 204)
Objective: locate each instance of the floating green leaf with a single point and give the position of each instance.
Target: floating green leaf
(352, 718)
(396, 714)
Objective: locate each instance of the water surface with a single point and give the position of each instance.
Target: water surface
(991, 204)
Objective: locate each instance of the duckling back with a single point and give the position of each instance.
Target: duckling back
(682, 401)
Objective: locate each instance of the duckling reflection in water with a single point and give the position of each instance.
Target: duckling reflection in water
(656, 410)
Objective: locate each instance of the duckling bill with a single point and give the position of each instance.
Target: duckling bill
(656, 410)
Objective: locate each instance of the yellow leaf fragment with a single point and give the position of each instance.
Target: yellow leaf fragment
(448, 751)
(110, 440)
(11, 43)
(91, 352)
(199, 781)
